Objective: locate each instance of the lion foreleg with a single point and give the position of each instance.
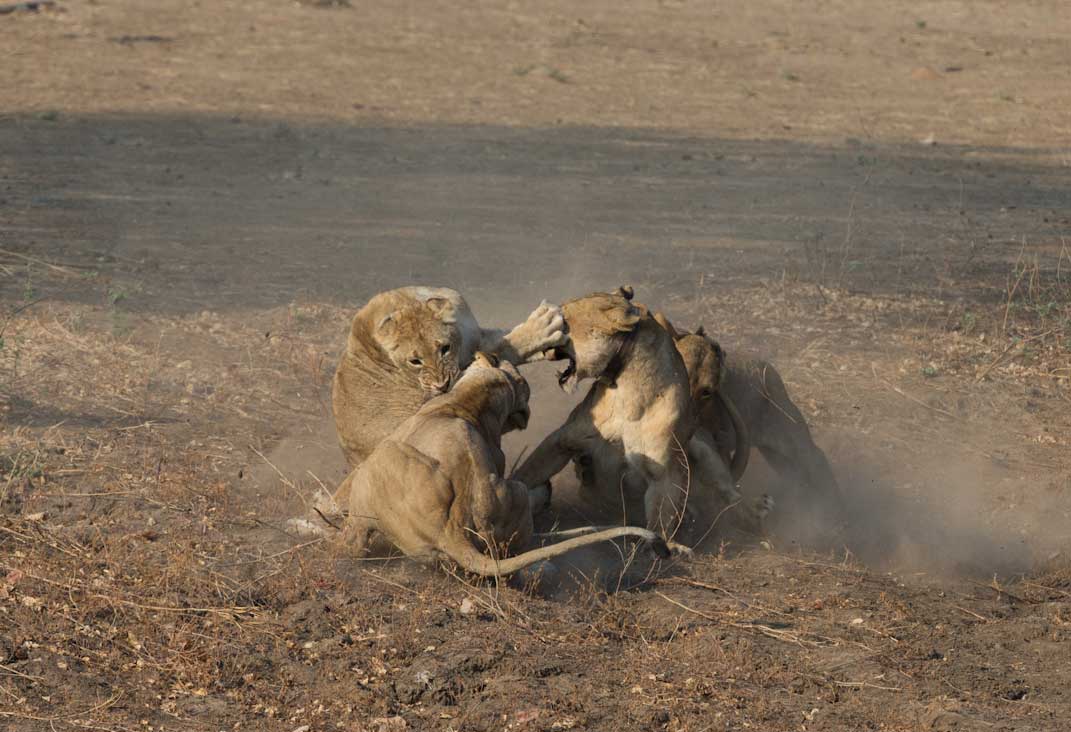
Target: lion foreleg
(546, 461)
(543, 329)
(708, 469)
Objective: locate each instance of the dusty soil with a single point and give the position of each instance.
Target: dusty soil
(195, 197)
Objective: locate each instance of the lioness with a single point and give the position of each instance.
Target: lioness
(408, 345)
(633, 427)
(756, 411)
(715, 410)
(434, 488)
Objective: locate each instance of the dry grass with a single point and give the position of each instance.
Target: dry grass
(147, 579)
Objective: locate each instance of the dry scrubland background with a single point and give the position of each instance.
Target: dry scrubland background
(194, 197)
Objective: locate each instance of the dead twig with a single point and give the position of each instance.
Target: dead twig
(866, 684)
(1011, 346)
(64, 270)
(1014, 287)
(16, 311)
(715, 588)
(56, 718)
(16, 672)
(757, 627)
(286, 481)
(224, 611)
(291, 550)
(972, 613)
(910, 398)
(1001, 591)
(326, 520)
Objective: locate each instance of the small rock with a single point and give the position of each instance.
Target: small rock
(468, 607)
(302, 728)
(857, 621)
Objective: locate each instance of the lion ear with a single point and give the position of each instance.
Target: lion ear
(442, 308)
(386, 324)
(625, 320)
(700, 331)
(625, 291)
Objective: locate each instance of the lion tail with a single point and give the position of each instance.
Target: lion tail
(742, 454)
(473, 560)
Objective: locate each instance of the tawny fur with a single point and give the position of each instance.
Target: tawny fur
(633, 428)
(716, 413)
(408, 345)
(434, 488)
(755, 411)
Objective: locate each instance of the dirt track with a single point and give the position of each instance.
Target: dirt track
(193, 199)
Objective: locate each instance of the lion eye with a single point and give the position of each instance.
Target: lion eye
(445, 349)
(415, 362)
(706, 394)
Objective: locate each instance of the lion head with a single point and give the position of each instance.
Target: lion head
(705, 361)
(422, 339)
(501, 382)
(703, 358)
(598, 324)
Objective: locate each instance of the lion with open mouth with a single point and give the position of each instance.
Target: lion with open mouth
(633, 430)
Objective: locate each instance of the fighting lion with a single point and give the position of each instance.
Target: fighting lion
(753, 409)
(632, 433)
(410, 344)
(435, 488)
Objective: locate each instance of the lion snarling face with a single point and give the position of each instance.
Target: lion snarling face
(598, 326)
(423, 340)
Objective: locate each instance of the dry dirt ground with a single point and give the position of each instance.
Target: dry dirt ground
(194, 198)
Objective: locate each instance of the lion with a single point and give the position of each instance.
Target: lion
(408, 345)
(631, 432)
(715, 410)
(754, 409)
(434, 489)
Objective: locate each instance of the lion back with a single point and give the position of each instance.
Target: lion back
(410, 494)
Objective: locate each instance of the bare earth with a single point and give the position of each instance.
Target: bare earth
(194, 198)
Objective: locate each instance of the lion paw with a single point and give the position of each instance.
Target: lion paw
(544, 329)
(679, 550)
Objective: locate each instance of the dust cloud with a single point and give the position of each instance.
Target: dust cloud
(900, 513)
